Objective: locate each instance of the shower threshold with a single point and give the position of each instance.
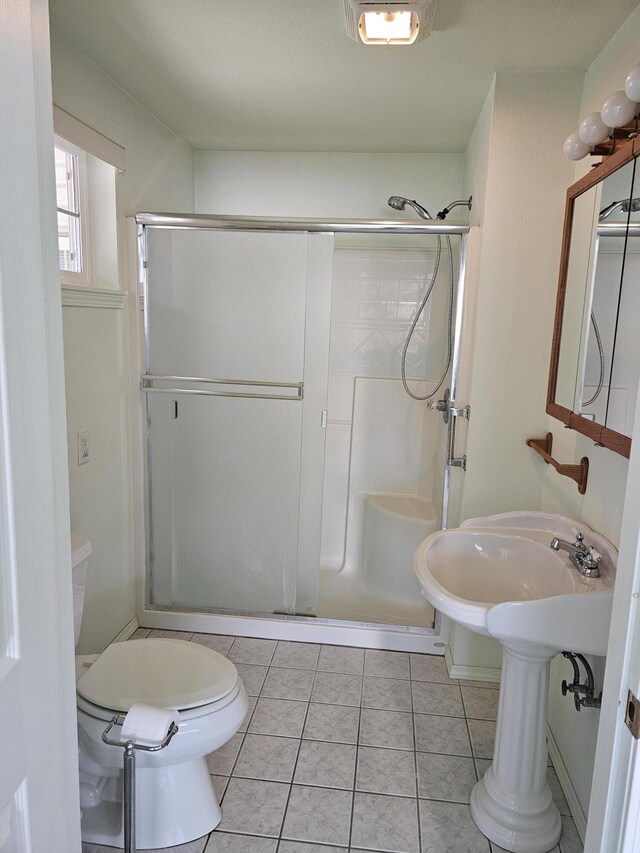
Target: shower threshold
(310, 629)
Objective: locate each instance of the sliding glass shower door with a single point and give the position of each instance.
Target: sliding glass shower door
(232, 389)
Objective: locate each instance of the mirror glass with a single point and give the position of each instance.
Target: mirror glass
(625, 367)
(596, 357)
(596, 397)
(579, 274)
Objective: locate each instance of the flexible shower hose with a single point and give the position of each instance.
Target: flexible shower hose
(414, 323)
(601, 356)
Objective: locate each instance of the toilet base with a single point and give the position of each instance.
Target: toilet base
(174, 804)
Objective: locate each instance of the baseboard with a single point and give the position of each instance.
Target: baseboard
(129, 629)
(567, 786)
(471, 673)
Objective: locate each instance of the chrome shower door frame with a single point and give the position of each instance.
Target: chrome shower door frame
(286, 627)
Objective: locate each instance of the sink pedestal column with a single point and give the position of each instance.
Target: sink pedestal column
(512, 804)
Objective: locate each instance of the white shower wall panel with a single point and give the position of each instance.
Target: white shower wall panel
(378, 438)
(335, 494)
(385, 450)
(375, 292)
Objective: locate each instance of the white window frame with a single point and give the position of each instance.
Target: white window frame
(85, 276)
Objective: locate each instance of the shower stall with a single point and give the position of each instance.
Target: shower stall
(289, 476)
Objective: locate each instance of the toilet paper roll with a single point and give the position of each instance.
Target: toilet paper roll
(146, 725)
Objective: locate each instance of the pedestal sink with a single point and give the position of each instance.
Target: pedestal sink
(498, 576)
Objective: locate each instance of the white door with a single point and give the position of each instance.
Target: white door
(614, 809)
(39, 808)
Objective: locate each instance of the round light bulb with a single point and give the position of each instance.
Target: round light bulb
(574, 148)
(593, 130)
(632, 84)
(618, 110)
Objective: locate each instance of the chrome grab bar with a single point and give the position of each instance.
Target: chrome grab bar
(148, 379)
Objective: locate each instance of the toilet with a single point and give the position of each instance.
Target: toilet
(175, 800)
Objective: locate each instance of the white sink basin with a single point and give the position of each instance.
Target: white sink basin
(499, 576)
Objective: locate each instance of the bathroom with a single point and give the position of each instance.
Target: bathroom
(525, 114)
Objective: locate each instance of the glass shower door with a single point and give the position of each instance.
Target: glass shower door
(225, 317)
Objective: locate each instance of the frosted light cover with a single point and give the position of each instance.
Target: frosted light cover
(574, 148)
(618, 110)
(593, 130)
(387, 25)
(632, 84)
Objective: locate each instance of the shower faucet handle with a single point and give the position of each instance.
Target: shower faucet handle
(438, 405)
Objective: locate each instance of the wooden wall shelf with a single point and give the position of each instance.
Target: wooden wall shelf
(579, 473)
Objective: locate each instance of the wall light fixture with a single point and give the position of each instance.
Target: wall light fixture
(619, 119)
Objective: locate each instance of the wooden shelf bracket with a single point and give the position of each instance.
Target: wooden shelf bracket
(579, 473)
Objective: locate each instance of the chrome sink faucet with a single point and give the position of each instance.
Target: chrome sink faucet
(585, 559)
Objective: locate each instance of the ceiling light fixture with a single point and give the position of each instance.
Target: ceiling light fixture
(392, 22)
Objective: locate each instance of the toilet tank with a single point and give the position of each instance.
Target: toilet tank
(80, 551)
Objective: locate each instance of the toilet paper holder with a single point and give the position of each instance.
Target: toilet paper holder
(129, 792)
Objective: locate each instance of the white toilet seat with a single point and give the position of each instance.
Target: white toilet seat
(159, 672)
(99, 712)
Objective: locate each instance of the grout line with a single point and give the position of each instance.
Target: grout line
(473, 755)
(352, 790)
(355, 768)
(415, 761)
(295, 765)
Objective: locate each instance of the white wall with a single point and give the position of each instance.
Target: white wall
(517, 278)
(257, 183)
(511, 285)
(158, 177)
(601, 506)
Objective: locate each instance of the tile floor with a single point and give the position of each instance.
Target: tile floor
(345, 751)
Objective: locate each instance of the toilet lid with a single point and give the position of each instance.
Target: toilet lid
(163, 673)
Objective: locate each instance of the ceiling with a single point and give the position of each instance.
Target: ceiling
(282, 75)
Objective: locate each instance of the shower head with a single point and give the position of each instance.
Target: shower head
(398, 202)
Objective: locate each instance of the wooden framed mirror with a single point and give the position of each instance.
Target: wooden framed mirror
(595, 355)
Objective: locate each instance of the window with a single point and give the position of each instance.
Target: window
(86, 208)
(70, 194)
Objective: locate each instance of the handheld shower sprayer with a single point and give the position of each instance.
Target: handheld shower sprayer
(398, 202)
(626, 205)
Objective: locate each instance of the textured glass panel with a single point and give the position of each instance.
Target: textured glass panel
(224, 510)
(225, 473)
(8, 626)
(13, 824)
(227, 305)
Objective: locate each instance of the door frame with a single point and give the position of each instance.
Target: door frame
(39, 741)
